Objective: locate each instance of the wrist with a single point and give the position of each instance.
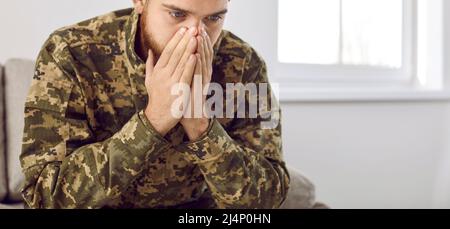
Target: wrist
(157, 121)
(195, 128)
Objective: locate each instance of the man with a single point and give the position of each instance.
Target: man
(100, 127)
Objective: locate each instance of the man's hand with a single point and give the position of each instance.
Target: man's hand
(176, 65)
(194, 125)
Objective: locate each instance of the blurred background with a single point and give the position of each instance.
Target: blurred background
(363, 86)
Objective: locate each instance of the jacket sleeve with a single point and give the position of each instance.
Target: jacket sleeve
(63, 165)
(243, 165)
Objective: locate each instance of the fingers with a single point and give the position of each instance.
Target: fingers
(197, 88)
(149, 66)
(189, 70)
(205, 72)
(188, 40)
(184, 59)
(208, 54)
(201, 55)
(209, 47)
(200, 44)
(199, 65)
(170, 47)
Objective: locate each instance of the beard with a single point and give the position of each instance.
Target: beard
(147, 39)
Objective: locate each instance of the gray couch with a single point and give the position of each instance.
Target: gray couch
(15, 78)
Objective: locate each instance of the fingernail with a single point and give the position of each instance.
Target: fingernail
(182, 30)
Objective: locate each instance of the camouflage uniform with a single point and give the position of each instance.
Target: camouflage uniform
(87, 143)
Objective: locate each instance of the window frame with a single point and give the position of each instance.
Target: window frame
(260, 30)
(341, 74)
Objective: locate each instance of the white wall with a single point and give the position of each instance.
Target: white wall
(25, 25)
(360, 155)
(371, 155)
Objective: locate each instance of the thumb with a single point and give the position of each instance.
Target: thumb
(149, 65)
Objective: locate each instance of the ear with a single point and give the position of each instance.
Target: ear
(139, 5)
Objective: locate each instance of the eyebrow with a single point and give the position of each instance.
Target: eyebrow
(172, 7)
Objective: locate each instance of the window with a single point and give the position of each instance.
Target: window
(351, 32)
(347, 49)
(346, 40)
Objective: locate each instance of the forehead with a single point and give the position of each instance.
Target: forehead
(196, 6)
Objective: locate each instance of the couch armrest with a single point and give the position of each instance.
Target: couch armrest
(3, 179)
(18, 74)
(301, 194)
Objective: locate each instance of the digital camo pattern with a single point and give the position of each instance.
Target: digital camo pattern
(87, 143)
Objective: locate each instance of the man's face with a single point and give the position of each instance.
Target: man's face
(161, 19)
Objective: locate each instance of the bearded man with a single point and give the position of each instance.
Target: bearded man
(100, 127)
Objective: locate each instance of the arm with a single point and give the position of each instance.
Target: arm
(63, 165)
(242, 166)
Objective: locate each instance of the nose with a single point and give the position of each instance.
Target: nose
(197, 24)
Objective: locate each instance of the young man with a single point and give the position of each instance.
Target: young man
(100, 128)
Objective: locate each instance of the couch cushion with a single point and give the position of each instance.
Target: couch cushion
(12, 206)
(18, 76)
(3, 184)
(301, 194)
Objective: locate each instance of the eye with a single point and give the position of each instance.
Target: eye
(177, 14)
(214, 18)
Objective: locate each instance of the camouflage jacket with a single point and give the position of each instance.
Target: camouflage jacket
(87, 143)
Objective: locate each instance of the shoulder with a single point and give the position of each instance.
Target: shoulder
(234, 55)
(72, 42)
(102, 29)
(231, 44)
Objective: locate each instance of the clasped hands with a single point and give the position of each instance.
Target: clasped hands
(186, 59)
